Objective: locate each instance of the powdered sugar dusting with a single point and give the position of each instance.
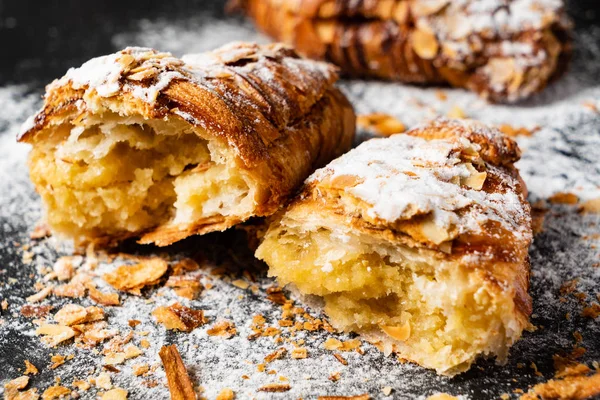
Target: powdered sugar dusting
(403, 176)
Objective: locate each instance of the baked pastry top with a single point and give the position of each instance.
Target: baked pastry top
(419, 242)
(504, 50)
(142, 144)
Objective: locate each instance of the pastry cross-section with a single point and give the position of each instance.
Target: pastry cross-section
(418, 242)
(142, 144)
(504, 50)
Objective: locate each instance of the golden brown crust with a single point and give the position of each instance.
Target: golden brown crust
(278, 115)
(500, 53)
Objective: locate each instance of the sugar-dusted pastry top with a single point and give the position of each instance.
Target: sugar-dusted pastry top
(233, 90)
(502, 49)
(438, 182)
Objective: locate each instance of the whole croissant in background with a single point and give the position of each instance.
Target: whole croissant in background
(142, 144)
(504, 50)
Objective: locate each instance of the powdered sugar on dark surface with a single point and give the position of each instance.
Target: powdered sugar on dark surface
(562, 156)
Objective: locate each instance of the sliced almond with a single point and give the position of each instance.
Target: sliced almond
(433, 232)
(299, 353)
(179, 317)
(55, 392)
(115, 394)
(54, 334)
(425, 44)
(476, 179)
(226, 394)
(225, 329)
(135, 277)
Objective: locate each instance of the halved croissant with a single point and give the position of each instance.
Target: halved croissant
(142, 144)
(419, 242)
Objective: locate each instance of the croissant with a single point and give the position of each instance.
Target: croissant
(504, 50)
(142, 144)
(418, 242)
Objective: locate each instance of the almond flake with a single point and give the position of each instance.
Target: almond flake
(226, 394)
(590, 206)
(277, 354)
(381, 124)
(225, 329)
(341, 359)
(106, 299)
(115, 394)
(103, 381)
(132, 278)
(54, 334)
(63, 268)
(425, 44)
(57, 361)
(30, 368)
(240, 283)
(140, 369)
(299, 352)
(55, 392)
(73, 314)
(563, 198)
(179, 317)
(17, 383)
(81, 385)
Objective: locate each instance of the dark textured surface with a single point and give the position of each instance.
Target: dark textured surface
(42, 39)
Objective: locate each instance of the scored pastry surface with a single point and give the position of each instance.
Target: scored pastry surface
(419, 242)
(140, 143)
(504, 50)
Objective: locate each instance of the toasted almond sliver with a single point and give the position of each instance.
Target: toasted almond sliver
(180, 385)
(277, 354)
